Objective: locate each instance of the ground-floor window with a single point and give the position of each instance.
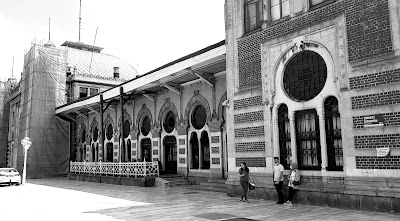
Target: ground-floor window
(205, 150)
(194, 145)
(109, 152)
(308, 140)
(129, 150)
(170, 155)
(333, 134)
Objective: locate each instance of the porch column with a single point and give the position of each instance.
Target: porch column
(322, 136)
(200, 153)
(121, 104)
(293, 136)
(101, 128)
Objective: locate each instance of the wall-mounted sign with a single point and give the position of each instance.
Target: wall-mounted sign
(375, 120)
(382, 152)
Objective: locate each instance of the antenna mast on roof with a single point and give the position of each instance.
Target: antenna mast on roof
(95, 36)
(80, 7)
(49, 28)
(12, 69)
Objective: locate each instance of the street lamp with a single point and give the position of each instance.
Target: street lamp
(26, 143)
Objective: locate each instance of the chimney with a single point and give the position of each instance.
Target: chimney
(116, 72)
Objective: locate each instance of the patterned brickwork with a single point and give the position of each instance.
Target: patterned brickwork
(367, 27)
(181, 150)
(247, 102)
(215, 139)
(249, 51)
(155, 143)
(391, 119)
(249, 131)
(377, 141)
(155, 152)
(215, 150)
(182, 160)
(374, 162)
(249, 117)
(375, 79)
(181, 141)
(374, 100)
(215, 161)
(251, 161)
(251, 146)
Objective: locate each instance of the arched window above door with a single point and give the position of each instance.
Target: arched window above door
(146, 126)
(127, 128)
(199, 117)
(169, 122)
(109, 133)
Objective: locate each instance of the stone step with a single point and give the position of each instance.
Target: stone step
(219, 185)
(209, 188)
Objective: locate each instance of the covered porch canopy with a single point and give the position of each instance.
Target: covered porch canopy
(196, 67)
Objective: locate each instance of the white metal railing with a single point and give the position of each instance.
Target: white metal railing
(132, 169)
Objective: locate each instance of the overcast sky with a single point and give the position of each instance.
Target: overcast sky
(145, 33)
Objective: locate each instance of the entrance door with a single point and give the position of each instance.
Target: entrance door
(170, 154)
(146, 150)
(194, 143)
(109, 152)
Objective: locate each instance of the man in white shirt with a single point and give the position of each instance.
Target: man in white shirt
(278, 179)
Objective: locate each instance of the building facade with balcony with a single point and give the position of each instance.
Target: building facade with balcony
(316, 82)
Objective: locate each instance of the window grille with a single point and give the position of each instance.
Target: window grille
(333, 135)
(284, 136)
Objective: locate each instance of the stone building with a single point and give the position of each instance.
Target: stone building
(173, 115)
(316, 82)
(52, 77)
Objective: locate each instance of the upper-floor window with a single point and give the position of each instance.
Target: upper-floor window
(86, 92)
(253, 12)
(94, 91)
(83, 92)
(279, 9)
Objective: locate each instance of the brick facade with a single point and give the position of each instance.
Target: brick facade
(391, 119)
(250, 146)
(375, 100)
(247, 102)
(249, 117)
(249, 131)
(374, 162)
(368, 34)
(251, 161)
(377, 141)
(375, 79)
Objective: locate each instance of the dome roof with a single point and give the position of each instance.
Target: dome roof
(101, 65)
(49, 44)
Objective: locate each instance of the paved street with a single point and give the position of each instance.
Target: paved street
(63, 199)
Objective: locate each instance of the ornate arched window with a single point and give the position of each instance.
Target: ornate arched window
(110, 132)
(333, 134)
(95, 134)
(305, 76)
(146, 126)
(199, 117)
(169, 122)
(127, 128)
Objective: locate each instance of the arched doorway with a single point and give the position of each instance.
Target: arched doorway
(109, 146)
(170, 154)
(145, 145)
(129, 147)
(194, 144)
(205, 150)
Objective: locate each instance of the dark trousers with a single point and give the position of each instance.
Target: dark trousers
(245, 188)
(279, 191)
(291, 193)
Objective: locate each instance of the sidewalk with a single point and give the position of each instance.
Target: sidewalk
(63, 199)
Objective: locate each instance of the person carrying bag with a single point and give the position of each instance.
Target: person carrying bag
(294, 182)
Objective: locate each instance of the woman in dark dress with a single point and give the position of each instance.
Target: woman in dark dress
(244, 180)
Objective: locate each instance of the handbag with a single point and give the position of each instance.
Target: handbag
(296, 183)
(252, 186)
